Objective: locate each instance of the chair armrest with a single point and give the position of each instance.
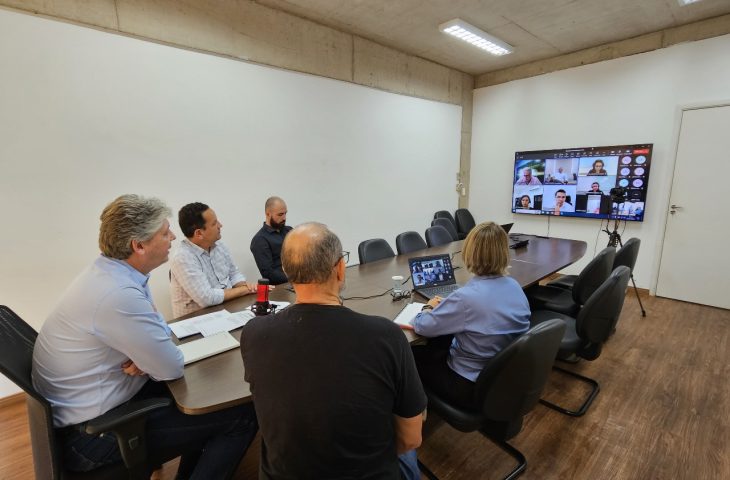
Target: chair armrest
(124, 414)
(128, 424)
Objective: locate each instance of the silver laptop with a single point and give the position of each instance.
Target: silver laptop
(433, 275)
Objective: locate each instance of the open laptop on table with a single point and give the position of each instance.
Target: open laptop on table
(432, 275)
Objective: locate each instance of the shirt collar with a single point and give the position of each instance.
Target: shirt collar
(270, 229)
(197, 250)
(137, 276)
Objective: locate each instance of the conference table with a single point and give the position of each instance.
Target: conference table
(217, 382)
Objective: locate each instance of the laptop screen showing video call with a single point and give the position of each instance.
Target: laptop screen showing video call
(431, 271)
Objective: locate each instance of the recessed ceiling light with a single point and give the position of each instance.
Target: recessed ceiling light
(682, 3)
(479, 38)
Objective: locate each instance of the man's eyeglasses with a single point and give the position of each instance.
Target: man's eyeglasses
(345, 255)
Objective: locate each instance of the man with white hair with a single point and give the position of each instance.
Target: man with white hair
(337, 392)
(105, 344)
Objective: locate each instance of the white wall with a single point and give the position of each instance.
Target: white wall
(86, 116)
(629, 100)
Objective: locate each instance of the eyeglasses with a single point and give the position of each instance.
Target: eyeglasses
(345, 255)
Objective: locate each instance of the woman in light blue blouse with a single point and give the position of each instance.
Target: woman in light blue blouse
(473, 323)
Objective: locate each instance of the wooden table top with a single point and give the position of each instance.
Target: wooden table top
(217, 382)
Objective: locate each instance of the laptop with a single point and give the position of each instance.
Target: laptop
(507, 227)
(432, 275)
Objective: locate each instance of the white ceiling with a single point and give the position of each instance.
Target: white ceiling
(537, 29)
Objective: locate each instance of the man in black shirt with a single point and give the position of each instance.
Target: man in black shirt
(266, 244)
(337, 393)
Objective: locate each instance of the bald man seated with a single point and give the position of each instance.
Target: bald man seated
(266, 244)
(345, 400)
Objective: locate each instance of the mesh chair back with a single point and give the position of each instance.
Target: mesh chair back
(408, 242)
(464, 221)
(373, 250)
(17, 339)
(600, 313)
(448, 225)
(511, 383)
(628, 254)
(444, 214)
(593, 275)
(438, 235)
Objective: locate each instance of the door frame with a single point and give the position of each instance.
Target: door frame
(679, 115)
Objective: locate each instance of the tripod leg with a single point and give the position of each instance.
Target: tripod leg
(636, 290)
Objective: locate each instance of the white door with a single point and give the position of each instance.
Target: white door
(695, 262)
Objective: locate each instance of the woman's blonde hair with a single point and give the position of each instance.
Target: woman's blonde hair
(486, 250)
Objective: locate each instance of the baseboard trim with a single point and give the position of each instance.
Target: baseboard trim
(12, 399)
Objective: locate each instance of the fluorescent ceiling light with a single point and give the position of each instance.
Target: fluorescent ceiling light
(682, 3)
(471, 34)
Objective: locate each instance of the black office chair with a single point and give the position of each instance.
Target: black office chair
(408, 242)
(508, 387)
(547, 297)
(443, 222)
(438, 235)
(626, 255)
(373, 250)
(464, 222)
(445, 214)
(588, 331)
(17, 339)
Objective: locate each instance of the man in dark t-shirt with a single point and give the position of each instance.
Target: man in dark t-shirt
(337, 393)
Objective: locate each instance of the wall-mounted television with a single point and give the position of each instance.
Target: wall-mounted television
(592, 182)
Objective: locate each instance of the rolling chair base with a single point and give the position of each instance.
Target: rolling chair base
(595, 388)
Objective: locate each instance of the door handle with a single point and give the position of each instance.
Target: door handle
(674, 207)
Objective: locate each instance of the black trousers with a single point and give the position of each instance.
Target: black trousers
(438, 377)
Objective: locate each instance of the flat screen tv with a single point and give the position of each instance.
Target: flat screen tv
(592, 182)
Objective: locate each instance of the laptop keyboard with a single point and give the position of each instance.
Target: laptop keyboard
(441, 291)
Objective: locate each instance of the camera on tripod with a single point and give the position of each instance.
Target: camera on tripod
(618, 194)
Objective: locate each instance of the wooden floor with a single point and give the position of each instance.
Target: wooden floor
(663, 411)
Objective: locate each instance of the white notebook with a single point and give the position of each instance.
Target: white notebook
(207, 346)
(406, 316)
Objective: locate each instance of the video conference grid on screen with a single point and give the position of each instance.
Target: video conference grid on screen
(431, 271)
(577, 182)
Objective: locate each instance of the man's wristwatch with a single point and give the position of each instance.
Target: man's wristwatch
(427, 307)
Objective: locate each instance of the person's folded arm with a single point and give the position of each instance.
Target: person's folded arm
(128, 323)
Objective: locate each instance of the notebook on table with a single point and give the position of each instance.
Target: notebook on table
(207, 347)
(432, 275)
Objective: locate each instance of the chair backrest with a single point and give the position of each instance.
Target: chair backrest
(373, 250)
(446, 223)
(511, 383)
(438, 235)
(593, 275)
(17, 339)
(599, 315)
(627, 254)
(444, 214)
(464, 221)
(408, 242)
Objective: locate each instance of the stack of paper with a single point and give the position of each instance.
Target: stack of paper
(211, 323)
